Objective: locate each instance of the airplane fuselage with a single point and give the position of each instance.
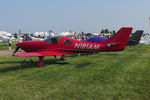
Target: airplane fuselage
(76, 45)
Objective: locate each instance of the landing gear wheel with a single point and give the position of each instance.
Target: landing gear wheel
(31, 61)
(41, 64)
(62, 58)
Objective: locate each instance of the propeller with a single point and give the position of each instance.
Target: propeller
(16, 50)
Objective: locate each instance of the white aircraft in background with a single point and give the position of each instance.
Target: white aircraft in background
(4, 36)
(39, 36)
(45, 35)
(62, 34)
(36, 39)
(145, 39)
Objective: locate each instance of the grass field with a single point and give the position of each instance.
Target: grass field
(4, 46)
(121, 75)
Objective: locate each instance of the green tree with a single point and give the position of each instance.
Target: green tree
(102, 31)
(106, 31)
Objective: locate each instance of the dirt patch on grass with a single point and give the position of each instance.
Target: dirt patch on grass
(6, 53)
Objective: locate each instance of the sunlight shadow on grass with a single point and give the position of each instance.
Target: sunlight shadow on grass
(82, 65)
(18, 67)
(55, 61)
(10, 62)
(8, 69)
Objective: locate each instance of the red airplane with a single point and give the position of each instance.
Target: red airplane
(59, 45)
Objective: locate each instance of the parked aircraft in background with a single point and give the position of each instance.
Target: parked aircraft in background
(37, 39)
(43, 35)
(64, 45)
(62, 34)
(145, 39)
(133, 40)
(5, 33)
(4, 36)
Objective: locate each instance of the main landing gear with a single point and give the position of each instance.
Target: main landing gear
(23, 62)
(62, 58)
(41, 64)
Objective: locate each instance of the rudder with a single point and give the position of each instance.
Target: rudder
(120, 38)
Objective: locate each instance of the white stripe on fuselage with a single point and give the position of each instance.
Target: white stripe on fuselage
(86, 46)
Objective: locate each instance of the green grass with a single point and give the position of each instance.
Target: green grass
(121, 75)
(4, 46)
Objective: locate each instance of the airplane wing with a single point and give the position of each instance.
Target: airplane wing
(43, 53)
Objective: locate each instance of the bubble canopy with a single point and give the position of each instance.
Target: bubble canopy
(96, 39)
(53, 40)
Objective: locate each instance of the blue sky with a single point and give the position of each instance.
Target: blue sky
(77, 15)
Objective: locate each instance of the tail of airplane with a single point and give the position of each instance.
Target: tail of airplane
(135, 38)
(119, 40)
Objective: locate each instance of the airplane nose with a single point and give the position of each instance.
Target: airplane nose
(18, 44)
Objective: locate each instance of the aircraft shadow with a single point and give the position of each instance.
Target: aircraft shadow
(28, 64)
(82, 65)
(14, 68)
(55, 61)
(35, 65)
(9, 69)
(10, 62)
(18, 67)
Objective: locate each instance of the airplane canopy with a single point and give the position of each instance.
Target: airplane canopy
(53, 40)
(96, 39)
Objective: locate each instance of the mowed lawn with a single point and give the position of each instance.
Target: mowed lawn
(121, 75)
(4, 46)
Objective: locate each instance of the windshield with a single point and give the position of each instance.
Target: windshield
(53, 40)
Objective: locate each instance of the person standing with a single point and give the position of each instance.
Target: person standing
(9, 43)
